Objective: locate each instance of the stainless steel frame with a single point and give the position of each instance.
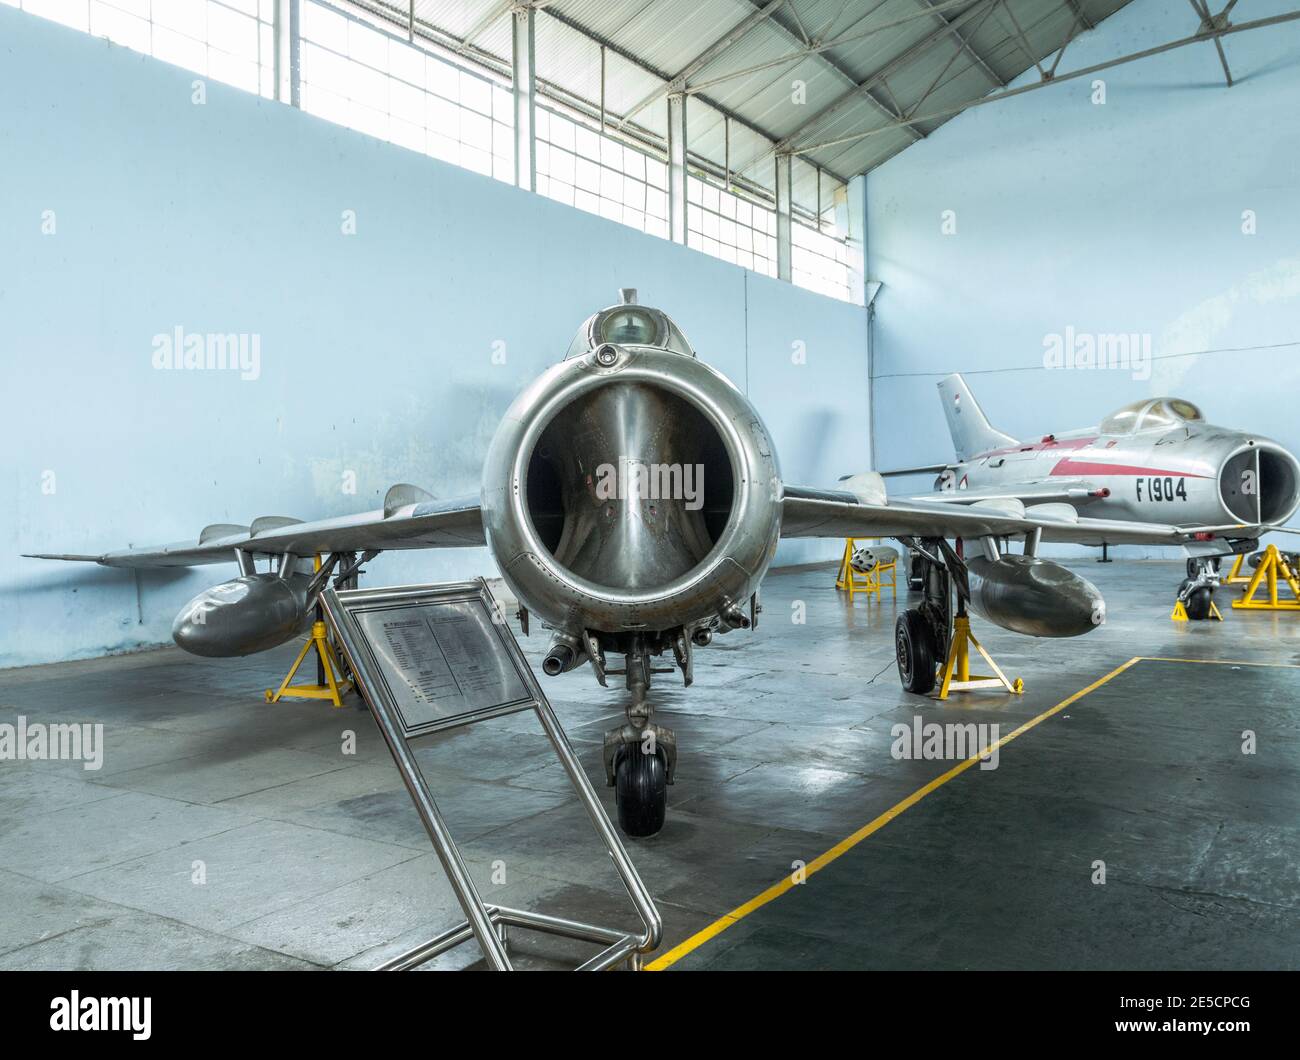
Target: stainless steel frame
(486, 923)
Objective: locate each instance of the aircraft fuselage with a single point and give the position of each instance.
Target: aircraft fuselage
(1189, 475)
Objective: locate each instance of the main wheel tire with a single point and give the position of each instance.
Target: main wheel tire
(641, 790)
(1198, 604)
(915, 650)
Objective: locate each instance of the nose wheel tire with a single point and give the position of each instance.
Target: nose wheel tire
(1198, 603)
(641, 791)
(915, 649)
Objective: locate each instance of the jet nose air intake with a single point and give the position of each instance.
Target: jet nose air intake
(629, 464)
(1259, 483)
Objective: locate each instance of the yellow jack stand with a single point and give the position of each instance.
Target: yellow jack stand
(1180, 612)
(1234, 576)
(852, 581)
(334, 690)
(956, 670)
(1268, 570)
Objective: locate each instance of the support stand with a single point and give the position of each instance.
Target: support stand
(956, 669)
(1270, 568)
(329, 681)
(431, 658)
(1234, 576)
(852, 581)
(1105, 554)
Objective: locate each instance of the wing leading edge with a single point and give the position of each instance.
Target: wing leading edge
(834, 513)
(418, 523)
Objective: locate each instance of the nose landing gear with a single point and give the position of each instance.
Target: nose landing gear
(640, 758)
(640, 789)
(1195, 600)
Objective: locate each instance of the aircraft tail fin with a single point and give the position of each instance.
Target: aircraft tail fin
(969, 427)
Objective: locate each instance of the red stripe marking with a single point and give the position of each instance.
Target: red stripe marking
(1089, 467)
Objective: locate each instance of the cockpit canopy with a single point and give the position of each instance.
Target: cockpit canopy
(1151, 414)
(629, 324)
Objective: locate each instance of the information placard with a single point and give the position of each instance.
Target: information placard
(438, 656)
(429, 658)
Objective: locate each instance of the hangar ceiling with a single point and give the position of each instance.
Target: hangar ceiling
(877, 67)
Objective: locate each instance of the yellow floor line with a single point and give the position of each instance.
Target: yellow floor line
(1220, 662)
(727, 920)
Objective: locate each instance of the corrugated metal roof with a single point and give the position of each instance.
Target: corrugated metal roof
(846, 84)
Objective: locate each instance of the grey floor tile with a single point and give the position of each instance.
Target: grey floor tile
(241, 874)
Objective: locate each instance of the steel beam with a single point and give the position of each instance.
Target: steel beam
(288, 34)
(850, 219)
(524, 83)
(884, 107)
(1076, 27)
(642, 64)
(1087, 71)
(784, 215)
(895, 64)
(1023, 41)
(967, 48)
(677, 82)
(677, 167)
(1208, 22)
(818, 47)
(602, 89)
(486, 19)
(1076, 9)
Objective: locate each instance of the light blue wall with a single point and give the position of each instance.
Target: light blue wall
(376, 348)
(1121, 217)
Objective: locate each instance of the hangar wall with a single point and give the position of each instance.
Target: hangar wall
(1122, 217)
(127, 211)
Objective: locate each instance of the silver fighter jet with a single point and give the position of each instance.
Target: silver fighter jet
(633, 501)
(1154, 464)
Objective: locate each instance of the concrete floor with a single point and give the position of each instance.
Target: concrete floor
(226, 832)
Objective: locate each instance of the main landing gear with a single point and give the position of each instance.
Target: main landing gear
(1195, 600)
(932, 636)
(922, 633)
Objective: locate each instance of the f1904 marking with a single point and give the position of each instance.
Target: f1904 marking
(1163, 489)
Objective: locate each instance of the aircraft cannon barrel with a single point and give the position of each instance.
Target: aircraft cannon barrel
(565, 652)
(557, 660)
(1034, 596)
